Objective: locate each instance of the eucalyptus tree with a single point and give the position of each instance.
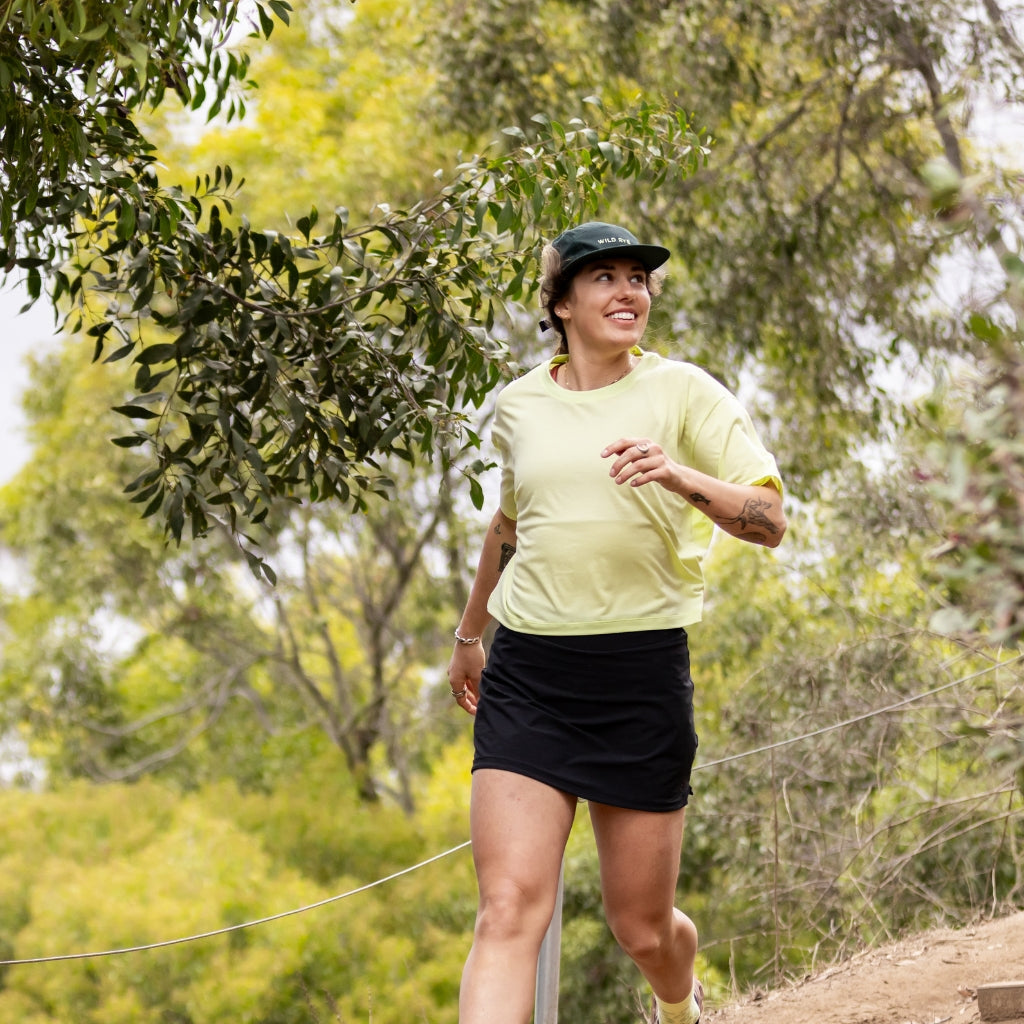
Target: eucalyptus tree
(290, 363)
(854, 237)
(125, 655)
(809, 248)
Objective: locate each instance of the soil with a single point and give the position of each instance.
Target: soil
(930, 978)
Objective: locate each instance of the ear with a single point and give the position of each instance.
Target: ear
(562, 311)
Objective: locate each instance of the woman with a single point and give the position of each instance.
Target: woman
(616, 465)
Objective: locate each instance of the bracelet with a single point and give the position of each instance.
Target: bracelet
(466, 639)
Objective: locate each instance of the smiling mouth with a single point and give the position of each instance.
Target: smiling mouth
(626, 317)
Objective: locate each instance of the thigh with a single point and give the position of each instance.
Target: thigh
(639, 855)
(519, 828)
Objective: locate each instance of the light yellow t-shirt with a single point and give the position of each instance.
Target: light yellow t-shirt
(593, 556)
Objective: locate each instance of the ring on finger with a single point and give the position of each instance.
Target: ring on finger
(459, 694)
(643, 447)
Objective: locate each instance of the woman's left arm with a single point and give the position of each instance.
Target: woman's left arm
(750, 512)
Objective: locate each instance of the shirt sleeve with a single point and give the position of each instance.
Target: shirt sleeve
(501, 438)
(726, 446)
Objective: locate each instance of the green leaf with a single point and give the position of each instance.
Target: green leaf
(136, 412)
(1014, 267)
(282, 10)
(161, 353)
(984, 328)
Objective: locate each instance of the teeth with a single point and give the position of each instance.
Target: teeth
(623, 316)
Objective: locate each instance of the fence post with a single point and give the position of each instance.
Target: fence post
(545, 1007)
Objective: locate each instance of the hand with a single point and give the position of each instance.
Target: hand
(641, 461)
(464, 669)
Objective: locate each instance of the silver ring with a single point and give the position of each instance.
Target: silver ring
(643, 447)
(458, 696)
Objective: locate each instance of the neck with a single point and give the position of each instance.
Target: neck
(581, 375)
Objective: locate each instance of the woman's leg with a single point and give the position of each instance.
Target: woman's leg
(519, 828)
(639, 853)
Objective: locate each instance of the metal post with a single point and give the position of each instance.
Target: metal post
(545, 1007)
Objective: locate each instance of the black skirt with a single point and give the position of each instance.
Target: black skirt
(607, 718)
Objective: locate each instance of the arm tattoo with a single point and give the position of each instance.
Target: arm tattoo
(755, 513)
(507, 551)
(698, 499)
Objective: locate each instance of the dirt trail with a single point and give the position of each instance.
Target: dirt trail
(927, 979)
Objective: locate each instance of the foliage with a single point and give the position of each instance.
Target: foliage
(336, 118)
(124, 655)
(851, 793)
(977, 460)
(791, 854)
(293, 364)
(91, 869)
(983, 479)
(805, 254)
(73, 76)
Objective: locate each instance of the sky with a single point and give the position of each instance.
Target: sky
(19, 335)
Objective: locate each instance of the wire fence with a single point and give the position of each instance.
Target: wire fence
(789, 741)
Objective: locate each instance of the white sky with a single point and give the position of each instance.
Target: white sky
(19, 335)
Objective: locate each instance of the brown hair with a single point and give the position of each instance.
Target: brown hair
(555, 286)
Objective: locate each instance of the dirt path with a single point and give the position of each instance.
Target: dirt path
(927, 979)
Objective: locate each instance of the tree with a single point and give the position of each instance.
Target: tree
(74, 78)
(807, 250)
(287, 365)
(217, 858)
(338, 118)
(853, 159)
(976, 462)
(896, 809)
(125, 656)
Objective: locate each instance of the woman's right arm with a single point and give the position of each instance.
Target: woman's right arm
(468, 659)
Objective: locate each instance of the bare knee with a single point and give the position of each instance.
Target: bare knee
(641, 939)
(648, 940)
(511, 913)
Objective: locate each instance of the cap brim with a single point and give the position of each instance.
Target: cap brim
(651, 256)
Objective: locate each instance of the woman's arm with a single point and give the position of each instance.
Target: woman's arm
(750, 512)
(468, 659)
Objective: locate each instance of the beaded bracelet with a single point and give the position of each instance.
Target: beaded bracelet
(466, 639)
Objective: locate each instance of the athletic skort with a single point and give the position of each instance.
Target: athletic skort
(607, 718)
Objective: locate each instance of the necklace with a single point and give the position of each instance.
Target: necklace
(569, 387)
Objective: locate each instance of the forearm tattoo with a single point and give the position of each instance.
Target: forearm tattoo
(507, 551)
(754, 517)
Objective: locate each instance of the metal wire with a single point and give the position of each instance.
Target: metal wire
(455, 849)
(858, 718)
(236, 927)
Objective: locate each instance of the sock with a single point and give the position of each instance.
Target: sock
(686, 1012)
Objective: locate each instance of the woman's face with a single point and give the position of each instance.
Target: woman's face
(607, 307)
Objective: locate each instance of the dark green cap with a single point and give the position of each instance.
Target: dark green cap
(586, 242)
